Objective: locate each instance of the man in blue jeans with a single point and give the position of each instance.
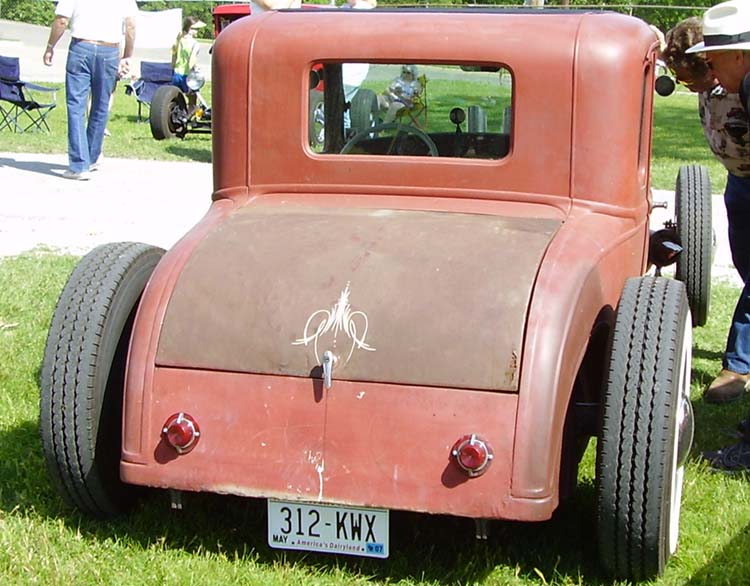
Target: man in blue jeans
(92, 69)
(726, 47)
(725, 125)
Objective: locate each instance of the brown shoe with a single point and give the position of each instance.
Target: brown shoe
(727, 387)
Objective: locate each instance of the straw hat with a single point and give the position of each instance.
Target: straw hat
(726, 27)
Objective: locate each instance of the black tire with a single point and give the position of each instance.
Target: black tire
(364, 110)
(316, 121)
(168, 116)
(646, 429)
(693, 219)
(83, 372)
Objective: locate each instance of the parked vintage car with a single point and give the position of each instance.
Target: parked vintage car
(171, 114)
(434, 314)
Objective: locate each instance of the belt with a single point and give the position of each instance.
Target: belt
(101, 43)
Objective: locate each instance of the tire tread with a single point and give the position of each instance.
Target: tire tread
(636, 426)
(75, 368)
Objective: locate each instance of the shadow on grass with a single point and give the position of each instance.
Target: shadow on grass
(730, 566)
(706, 365)
(716, 425)
(707, 354)
(427, 548)
(182, 149)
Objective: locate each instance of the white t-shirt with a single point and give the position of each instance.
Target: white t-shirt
(277, 5)
(97, 20)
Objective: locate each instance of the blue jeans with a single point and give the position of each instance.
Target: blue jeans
(737, 200)
(180, 81)
(90, 70)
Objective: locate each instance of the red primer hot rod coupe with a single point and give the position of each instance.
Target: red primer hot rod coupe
(432, 313)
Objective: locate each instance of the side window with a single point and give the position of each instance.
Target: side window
(408, 109)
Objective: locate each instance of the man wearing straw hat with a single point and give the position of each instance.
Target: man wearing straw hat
(726, 43)
(726, 46)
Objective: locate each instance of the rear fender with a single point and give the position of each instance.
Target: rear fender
(580, 280)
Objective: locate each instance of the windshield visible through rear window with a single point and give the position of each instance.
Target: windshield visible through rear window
(407, 109)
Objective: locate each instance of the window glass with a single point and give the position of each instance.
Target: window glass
(407, 109)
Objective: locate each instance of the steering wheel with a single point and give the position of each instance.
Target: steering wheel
(399, 128)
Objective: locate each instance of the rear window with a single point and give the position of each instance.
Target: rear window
(408, 109)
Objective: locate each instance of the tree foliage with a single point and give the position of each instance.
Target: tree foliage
(33, 12)
(662, 13)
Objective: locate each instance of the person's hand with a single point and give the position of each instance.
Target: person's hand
(123, 69)
(48, 54)
(660, 37)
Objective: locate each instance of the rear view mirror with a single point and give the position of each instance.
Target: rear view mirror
(315, 77)
(664, 85)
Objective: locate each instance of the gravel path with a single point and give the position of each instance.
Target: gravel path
(148, 201)
(154, 202)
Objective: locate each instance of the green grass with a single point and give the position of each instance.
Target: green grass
(678, 140)
(130, 138)
(221, 540)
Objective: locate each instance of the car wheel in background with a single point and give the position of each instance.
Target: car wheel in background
(83, 373)
(168, 116)
(365, 111)
(693, 220)
(646, 429)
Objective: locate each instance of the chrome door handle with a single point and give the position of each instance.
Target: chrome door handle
(328, 360)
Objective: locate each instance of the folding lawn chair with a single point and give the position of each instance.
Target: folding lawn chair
(20, 105)
(154, 74)
(417, 113)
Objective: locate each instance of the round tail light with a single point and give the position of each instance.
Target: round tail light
(472, 454)
(181, 432)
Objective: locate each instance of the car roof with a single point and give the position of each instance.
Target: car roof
(579, 80)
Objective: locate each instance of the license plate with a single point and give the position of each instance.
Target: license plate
(327, 528)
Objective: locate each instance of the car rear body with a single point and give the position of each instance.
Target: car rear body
(457, 296)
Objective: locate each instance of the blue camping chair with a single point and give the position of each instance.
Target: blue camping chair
(154, 74)
(21, 105)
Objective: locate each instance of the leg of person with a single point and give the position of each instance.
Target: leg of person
(77, 85)
(192, 100)
(393, 109)
(735, 375)
(737, 355)
(103, 81)
(737, 201)
(201, 102)
(111, 100)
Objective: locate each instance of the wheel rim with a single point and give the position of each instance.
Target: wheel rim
(176, 114)
(680, 422)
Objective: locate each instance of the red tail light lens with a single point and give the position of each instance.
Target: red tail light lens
(472, 454)
(181, 432)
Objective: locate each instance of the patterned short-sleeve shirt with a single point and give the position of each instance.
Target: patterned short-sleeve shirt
(727, 130)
